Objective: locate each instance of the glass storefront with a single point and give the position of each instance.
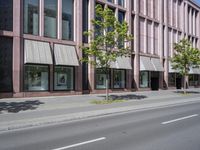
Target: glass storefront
(119, 79)
(36, 78)
(31, 17)
(172, 79)
(144, 79)
(193, 80)
(67, 19)
(64, 78)
(6, 64)
(50, 18)
(100, 79)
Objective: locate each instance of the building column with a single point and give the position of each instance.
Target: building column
(17, 48)
(136, 68)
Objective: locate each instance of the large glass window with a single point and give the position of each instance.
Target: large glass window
(6, 49)
(50, 18)
(119, 79)
(121, 16)
(193, 80)
(6, 15)
(121, 3)
(64, 78)
(67, 19)
(172, 79)
(100, 79)
(31, 17)
(36, 78)
(144, 79)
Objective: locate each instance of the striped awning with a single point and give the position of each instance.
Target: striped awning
(122, 63)
(37, 52)
(194, 70)
(146, 64)
(65, 55)
(157, 64)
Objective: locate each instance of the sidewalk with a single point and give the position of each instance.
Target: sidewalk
(28, 112)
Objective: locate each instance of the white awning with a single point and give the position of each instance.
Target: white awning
(157, 64)
(65, 55)
(146, 64)
(171, 70)
(122, 63)
(37, 52)
(194, 70)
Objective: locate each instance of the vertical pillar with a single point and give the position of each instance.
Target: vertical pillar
(136, 46)
(41, 18)
(59, 20)
(78, 38)
(17, 48)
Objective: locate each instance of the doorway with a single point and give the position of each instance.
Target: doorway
(154, 81)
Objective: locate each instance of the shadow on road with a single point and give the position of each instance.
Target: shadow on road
(188, 92)
(126, 97)
(15, 107)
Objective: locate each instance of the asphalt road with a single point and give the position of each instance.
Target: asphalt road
(170, 128)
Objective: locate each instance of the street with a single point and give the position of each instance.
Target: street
(169, 128)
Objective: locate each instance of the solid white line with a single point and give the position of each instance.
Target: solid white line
(179, 119)
(79, 144)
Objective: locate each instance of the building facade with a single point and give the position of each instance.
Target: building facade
(40, 46)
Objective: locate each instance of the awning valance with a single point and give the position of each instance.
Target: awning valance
(65, 55)
(195, 70)
(171, 70)
(157, 64)
(146, 64)
(122, 63)
(37, 52)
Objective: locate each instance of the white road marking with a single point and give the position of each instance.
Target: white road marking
(79, 144)
(179, 119)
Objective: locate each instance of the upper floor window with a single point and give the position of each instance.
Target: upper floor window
(50, 18)
(31, 17)
(112, 1)
(121, 3)
(121, 16)
(67, 19)
(85, 19)
(6, 15)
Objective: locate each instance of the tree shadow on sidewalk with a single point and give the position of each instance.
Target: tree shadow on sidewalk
(15, 107)
(126, 97)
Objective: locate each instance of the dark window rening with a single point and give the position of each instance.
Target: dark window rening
(6, 15)
(31, 17)
(6, 54)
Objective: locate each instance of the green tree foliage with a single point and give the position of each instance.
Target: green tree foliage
(107, 40)
(185, 57)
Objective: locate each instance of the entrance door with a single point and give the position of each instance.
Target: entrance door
(178, 83)
(154, 84)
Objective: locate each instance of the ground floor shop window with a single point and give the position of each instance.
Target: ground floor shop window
(64, 78)
(36, 78)
(144, 79)
(172, 79)
(100, 79)
(193, 80)
(119, 79)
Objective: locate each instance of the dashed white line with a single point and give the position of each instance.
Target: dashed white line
(79, 144)
(179, 119)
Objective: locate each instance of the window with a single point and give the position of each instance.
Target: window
(67, 19)
(50, 18)
(6, 15)
(119, 79)
(172, 79)
(112, 1)
(121, 3)
(85, 19)
(36, 78)
(121, 16)
(6, 48)
(100, 79)
(31, 17)
(64, 78)
(144, 79)
(193, 80)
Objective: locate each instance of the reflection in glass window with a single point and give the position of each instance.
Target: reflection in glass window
(121, 3)
(31, 17)
(100, 79)
(6, 15)
(67, 19)
(64, 78)
(50, 18)
(172, 79)
(36, 78)
(121, 16)
(6, 49)
(110, 1)
(144, 79)
(119, 79)
(193, 80)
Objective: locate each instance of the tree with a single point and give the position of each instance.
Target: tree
(185, 57)
(107, 41)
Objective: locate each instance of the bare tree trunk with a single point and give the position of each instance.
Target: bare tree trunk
(107, 84)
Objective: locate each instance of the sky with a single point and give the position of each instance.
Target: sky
(198, 1)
